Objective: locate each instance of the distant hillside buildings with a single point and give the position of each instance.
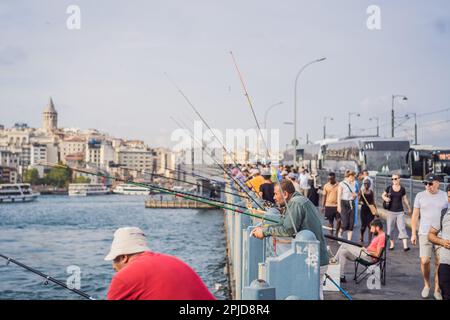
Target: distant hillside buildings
(23, 148)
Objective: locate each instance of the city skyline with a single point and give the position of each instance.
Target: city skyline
(110, 74)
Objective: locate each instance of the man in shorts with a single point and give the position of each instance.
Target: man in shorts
(428, 205)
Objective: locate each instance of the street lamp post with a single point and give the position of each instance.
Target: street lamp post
(294, 142)
(415, 125)
(404, 98)
(325, 125)
(378, 124)
(350, 114)
(267, 112)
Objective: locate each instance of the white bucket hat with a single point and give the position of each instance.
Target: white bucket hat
(127, 240)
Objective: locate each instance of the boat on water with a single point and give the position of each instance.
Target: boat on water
(87, 189)
(131, 189)
(17, 192)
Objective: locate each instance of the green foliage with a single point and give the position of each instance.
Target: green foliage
(81, 179)
(58, 177)
(31, 176)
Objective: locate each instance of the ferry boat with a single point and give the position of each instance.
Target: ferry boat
(87, 189)
(131, 189)
(17, 192)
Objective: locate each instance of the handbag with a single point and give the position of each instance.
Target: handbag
(387, 205)
(372, 207)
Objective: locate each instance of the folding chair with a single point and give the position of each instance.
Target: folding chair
(377, 262)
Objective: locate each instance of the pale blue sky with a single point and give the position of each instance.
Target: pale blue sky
(109, 75)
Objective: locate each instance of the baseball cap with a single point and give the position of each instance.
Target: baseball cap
(431, 177)
(265, 172)
(127, 240)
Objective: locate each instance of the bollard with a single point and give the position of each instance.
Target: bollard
(297, 271)
(258, 290)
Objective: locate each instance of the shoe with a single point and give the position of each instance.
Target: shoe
(343, 280)
(425, 292)
(406, 249)
(437, 295)
(391, 248)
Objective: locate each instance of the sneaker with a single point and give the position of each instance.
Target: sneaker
(425, 292)
(343, 280)
(437, 295)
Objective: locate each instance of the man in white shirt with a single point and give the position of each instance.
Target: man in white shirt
(428, 205)
(303, 180)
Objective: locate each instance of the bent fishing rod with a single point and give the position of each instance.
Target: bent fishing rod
(221, 166)
(184, 181)
(188, 196)
(241, 78)
(47, 277)
(215, 136)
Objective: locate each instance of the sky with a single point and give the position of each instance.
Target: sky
(109, 74)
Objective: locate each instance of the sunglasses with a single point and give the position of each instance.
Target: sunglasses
(394, 179)
(428, 183)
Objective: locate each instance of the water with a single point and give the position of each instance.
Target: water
(56, 232)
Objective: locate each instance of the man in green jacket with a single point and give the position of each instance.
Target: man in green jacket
(299, 214)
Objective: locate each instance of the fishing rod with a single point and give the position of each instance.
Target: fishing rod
(217, 139)
(262, 137)
(339, 287)
(184, 181)
(191, 173)
(188, 196)
(221, 166)
(47, 277)
(343, 240)
(251, 187)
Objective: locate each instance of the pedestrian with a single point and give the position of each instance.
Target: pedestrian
(396, 199)
(313, 194)
(365, 176)
(299, 214)
(256, 180)
(329, 203)
(346, 197)
(266, 191)
(444, 252)
(303, 180)
(293, 177)
(146, 275)
(367, 200)
(428, 205)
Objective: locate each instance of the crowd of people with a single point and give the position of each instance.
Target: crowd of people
(143, 274)
(352, 197)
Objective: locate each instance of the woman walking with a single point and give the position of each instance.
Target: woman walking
(395, 197)
(366, 198)
(346, 197)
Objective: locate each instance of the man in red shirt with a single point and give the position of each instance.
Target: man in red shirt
(348, 252)
(145, 275)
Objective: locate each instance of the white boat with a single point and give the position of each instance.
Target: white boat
(131, 189)
(17, 192)
(87, 189)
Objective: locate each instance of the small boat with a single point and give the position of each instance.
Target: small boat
(131, 189)
(17, 192)
(87, 189)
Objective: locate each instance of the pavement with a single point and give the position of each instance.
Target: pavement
(403, 275)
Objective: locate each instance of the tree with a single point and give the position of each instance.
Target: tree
(81, 179)
(58, 177)
(31, 176)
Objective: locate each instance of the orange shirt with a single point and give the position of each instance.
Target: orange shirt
(255, 183)
(331, 192)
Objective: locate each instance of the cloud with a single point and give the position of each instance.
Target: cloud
(11, 55)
